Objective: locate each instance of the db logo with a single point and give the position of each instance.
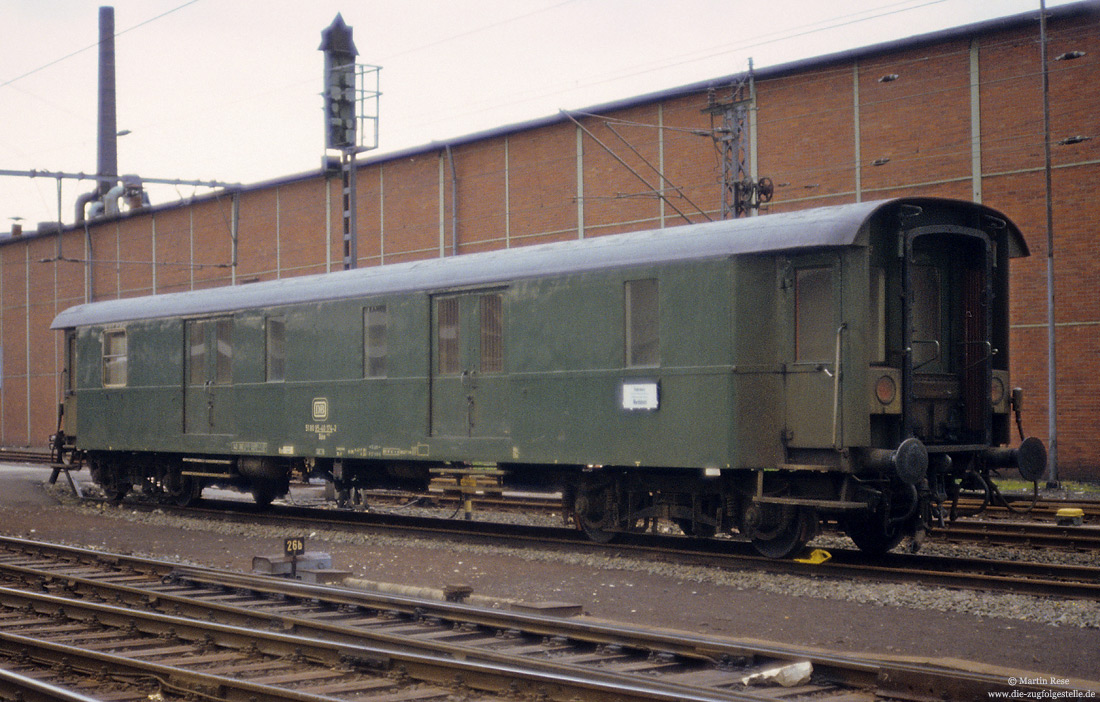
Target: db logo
(320, 409)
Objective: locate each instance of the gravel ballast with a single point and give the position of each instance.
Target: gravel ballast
(1045, 636)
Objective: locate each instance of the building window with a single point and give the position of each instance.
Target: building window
(448, 333)
(223, 330)
(114, 358)
(276, 349)
(492, 333)
(641, 327)
(815, 332)
(375, 326)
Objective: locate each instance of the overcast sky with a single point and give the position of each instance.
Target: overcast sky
(229, 90)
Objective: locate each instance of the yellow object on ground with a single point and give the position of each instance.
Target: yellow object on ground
(816, 557)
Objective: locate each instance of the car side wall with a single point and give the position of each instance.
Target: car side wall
(564, 372)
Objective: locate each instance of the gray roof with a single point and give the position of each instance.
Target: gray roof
(839, 225)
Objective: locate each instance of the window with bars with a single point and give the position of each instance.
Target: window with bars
(375, 327)
(492, 333)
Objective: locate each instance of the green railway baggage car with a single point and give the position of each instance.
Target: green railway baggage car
(747, 376)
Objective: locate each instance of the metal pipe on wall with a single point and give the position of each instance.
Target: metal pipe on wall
(454, 202)
(1052, 376)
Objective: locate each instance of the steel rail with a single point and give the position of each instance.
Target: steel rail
(210, 686)
(1020, 534)
(28, 689)
(564, 681)
(1040, 579)
(1019, 577)
(989, 531)
(451, 494)
(1044, 507)
(887, 676)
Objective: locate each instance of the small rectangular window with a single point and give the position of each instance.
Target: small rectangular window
(375, 327)
(815, 331)
(641, 328)
(276, 349)
(70, 362)
(196, 353)
(877, 319)
(448, 333)
(492, 333)
(114, 358)
(224, 337)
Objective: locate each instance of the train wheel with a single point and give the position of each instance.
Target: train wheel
(181, 490)
(780, 532)
(871, 536)
(114, 487)
(106, 476)
(115, 490)
(263, 492)
(877, 532)
(594, 510)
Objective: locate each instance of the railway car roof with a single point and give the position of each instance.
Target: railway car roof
(840, 225)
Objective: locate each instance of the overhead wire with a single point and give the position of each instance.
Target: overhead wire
(68, 56)
(951, 149)
(531, 96)
(801, 31)
(795, 32)
(270, 90)
(963, 145)
(476, 30)
(10, 83)
(751, 42)
(770, 38)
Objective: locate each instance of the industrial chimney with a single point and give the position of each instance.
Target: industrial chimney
(107, 141)
(107, 163)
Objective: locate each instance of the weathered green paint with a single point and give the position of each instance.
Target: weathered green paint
(559, 399)
(732, 393)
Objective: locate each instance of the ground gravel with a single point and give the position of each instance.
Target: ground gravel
(1077, 613)
(1040, 636)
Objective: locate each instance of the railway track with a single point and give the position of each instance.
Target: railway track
(1035, 526)
(1010, 576)
(1028, 507)
(1040, 531)
(100, 620)
(25, 455)
(1020, 534)
(489, 495)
